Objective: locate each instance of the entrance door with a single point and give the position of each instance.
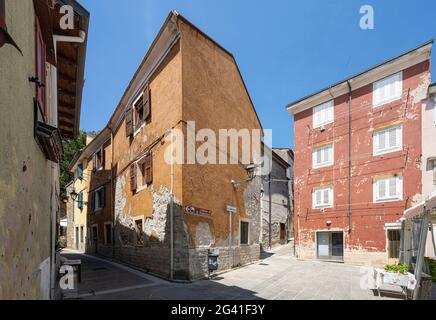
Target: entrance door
(77, 238)
(330, 246)
(95, 239)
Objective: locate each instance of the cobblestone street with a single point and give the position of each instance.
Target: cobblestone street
(279, 276)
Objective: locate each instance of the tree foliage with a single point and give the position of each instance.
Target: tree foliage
(71, 147)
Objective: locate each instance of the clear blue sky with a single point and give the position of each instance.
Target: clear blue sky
(285, 49)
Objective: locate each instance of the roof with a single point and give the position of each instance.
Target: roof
(360, 74)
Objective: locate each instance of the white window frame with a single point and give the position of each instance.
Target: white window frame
(320, 108)
(388, 197)
(325, 163)
(97, 208)
(105, 233)
(323, 205)
(399, 137)
(136, 130)
(397, 96)
(140, 177)
(94, 160)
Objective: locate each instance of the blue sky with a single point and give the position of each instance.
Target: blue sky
(285, 49)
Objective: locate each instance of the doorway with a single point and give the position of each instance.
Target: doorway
(77, 238)
(95, 239)
(330, 246)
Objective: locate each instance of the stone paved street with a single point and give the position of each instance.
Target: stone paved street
(279, 276)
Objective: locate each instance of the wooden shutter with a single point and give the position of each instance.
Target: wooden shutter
(92, 197)
(146, 102)
(133, 184)
(129, 122)
(40, 58)
(149, 169)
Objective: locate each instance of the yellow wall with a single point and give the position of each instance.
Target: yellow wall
(24, 172)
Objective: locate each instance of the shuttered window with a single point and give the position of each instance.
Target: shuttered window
(133, 183)
(80, 170)
(388, 189)
(388, 89)
(244, 229)
(80, 201)
(144, 176)
(40, 59)
(99, 198)
(323, 114)
(322, 198)
(388, 140)
(141, 110)
(322, 156)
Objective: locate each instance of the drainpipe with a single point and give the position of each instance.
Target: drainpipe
(112, 193)
(350, 171)
(172, 209)
(270, 211)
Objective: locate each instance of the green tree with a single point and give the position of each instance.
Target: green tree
(71, 147)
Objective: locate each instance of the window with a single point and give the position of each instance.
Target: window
(139, 113)
(80, 200)
(322, 198)
(322, 156)
(244, 232)
(145, 176)
(98, 199)
(323, 114)
(108, 233)
(388, 189)
(81, 234)
(394, 244)
(98, 160)
(80, 171)
(388, 140)
(139, 233)
(40, 58)
(388, 89)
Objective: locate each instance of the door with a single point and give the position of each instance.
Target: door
(95, 239)
(330, 246)
(282, 233)
(77, 238)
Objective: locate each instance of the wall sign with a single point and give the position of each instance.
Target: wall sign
(197, 211)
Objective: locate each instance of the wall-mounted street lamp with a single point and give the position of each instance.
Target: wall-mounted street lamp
(74, 195)
(251, 174)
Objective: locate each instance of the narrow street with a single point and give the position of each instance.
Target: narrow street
(279, 276)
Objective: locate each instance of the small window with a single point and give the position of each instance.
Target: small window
(139, 112)
(388, 140)
(98, 160)
(394, 238)
(81, 234)
(139, 232)
(145, 176)
(323, 114)
(108, 233)
(388, 89)
(322, 198)
(388, 189)
(80, 171)
(99, 199)
(80, 201)
(244, 232)
(323, 156)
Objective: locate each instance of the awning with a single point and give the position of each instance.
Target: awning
(417, 210)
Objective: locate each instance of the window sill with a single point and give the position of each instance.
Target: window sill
(384, 103)
(322, 166)
(387, 200)
(323, 125)
(137, 131)
(382, 153)
(139, 190)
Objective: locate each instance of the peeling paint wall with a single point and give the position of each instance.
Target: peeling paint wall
(25, 174)
(368, 219)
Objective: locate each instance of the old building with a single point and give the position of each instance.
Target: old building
(40, 100)
(358, 160)
(166, 215)
(277, 218)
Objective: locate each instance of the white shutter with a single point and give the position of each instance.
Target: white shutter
(393, 187)
(323, 114)
(381, 189)
(392, 137)
(388, 89)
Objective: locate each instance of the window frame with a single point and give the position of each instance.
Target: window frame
(323, 164)
(375, 103)
(137, 127)
(241, 221)
(331, 201)
(80, 201)
(94, 160)
(375, 140)
(97, 197)
(319, 108)
(388, 198)
(105, 233)
(80, 170)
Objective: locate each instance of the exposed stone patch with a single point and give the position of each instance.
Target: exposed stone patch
(203, 236)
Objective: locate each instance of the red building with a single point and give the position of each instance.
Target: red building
(358, 161)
